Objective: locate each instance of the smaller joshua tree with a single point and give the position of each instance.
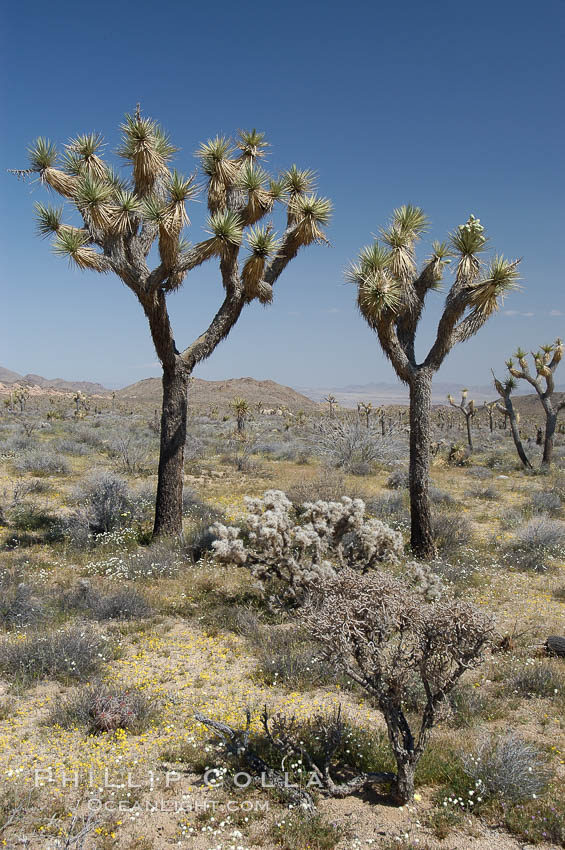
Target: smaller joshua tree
(467, 408)
(490, 407)
(382, 634)
(505, 389)
(332, 401)
(365, 409)
(21, 395)
(391, 296)
(241, 409)
(546, 360)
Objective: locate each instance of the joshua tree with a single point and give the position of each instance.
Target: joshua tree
(21, 395)
(546, 361)
(332, 401)
(365, 409)
(122, 220)
(505, 389)
(241, 410)
(391, 297)
(490, 407)
(468, 411)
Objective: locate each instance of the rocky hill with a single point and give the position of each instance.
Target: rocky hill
(7, 377)
(206, 394)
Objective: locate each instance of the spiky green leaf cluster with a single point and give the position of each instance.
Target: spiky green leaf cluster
(48, 219)
(299, 182)
(214, 154)
(226, 226)
(252, 143)
(486, 295)
(262, 241)
(180, 188)
(42, 154)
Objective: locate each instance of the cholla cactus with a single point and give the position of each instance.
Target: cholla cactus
(425, 581)
(468, 410)
(382, 634)
(546, 361)
(299, 548)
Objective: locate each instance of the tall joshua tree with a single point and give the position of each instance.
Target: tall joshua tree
(468, 411)
(505, 389)
(546, 361)
(122, 219)
(391, 294)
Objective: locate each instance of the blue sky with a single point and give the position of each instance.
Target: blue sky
(456, 107)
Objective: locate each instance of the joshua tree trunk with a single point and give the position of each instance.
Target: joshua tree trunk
(469, 435)
(550, 423)
(420, 435)
(511, 416)
(168, 507)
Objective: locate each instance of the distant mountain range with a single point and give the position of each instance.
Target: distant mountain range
(388, 393)
(267, 393)
(7, 376)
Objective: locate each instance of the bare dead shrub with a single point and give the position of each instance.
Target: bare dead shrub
(381, 633)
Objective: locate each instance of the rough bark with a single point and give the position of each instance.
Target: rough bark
(168, 505)
(511, 417)
(404, 784)
(421, 538)
(550, 423)
(469, 435)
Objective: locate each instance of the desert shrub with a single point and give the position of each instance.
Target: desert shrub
(27, 516)
(450, 531)
(296, 830)
(507, 768)
(535, 542)
(145, 562)
(398, 479)
(469, 705)
(392, 508)
(479, 472)
(286, 656)
(106, 501)
(439, 496)
(65, 654)
(347, 445)
(380, 633)
(559, 593)
(72, 447)
(537, 678)
(328, 485)
(537, 821)
(124, 604)
(41, 461)
(100, 707)
(290, 549)
(486, 493)
(72, 529)
(546, 502)
(132, 452)
(18, 605)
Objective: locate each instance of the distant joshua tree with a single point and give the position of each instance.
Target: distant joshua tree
(546, 361)
(365, 409)
(241, 409)
(391, 295)
(21, 395)
(467, 408)
(332, 401)
(121, 220)
(490, 407)
(505, 389)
